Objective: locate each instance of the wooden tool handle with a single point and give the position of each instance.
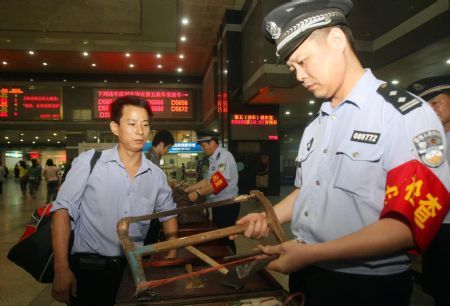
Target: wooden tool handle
(206, 258)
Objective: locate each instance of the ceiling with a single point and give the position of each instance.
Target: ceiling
(125, 37)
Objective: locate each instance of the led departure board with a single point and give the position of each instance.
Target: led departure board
(165, 103)
(254, 127)
(41, 103)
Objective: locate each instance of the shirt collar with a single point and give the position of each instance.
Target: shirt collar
(216, 153)
(112, 155)
(366, 85)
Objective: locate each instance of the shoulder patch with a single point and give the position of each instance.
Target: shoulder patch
(401, 99)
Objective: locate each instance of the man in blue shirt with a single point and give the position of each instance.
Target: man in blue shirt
(123, 183)
(372, 180)
(436, 259)
(220, 184)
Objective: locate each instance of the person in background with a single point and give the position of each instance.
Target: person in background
(66, 170)
(122, 183)
(34, 178)
(183, 171)
(23, 177)
(51, 175)
(16, 171)
(436, 259)
(372, 181)
(220, 183)
(161, 144)
(3, 176)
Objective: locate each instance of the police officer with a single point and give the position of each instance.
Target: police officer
(221, 182)
(436, 259)
(371, 180)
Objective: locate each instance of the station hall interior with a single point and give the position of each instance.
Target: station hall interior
(204, 64)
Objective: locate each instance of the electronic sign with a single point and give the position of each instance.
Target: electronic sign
(40, 103)
(165, 103)
(254, 127)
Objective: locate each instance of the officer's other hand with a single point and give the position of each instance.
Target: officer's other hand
(257, 226)
(64, 286)
(293, 256)
(193, 196)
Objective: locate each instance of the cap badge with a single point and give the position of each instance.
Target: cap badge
(273, 29)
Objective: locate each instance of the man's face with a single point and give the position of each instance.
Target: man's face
(441, 105)
(318, 64)
(208, 147)
(133, 129)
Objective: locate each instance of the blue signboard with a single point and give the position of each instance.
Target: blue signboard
(178, 147)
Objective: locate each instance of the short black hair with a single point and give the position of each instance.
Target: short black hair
(116, 108)
(165, 137)
(49, 162)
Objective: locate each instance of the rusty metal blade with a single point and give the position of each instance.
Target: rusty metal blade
(196, 207)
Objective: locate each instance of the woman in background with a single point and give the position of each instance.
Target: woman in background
(23, 177)
(51, 176)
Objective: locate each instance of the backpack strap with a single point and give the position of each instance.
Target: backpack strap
(94, 159)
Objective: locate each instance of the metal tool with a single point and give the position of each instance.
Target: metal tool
(134, 253)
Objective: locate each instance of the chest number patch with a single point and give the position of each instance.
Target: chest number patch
(365, 137)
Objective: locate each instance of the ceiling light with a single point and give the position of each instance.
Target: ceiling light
(215, 130)
(30, 52)
(93, 64)
(287, 113)
(159, 66)
(64, 80)
(185, 21)
(34, 141)
(58, 142)
(36, 137)
(5, 63)
(6, 137)
(48, 139)
(105, 81)
(21, 140)
(178, 80)
(31, 80)
(9, 141)
(158, 55)
(310, 113)
(395, 82)
(55, 134)
(160, 82)
(181, 56)
(44, 64)
(225, 71)
(73, 86)
(183, 38)
(65, 137)
(137, 81)
(95, 137)
(448, 61)
(312, 102)
(265, 60)
(127, 54)
(131, 65)
(21, 134)
(85, 42)
(180, 69)
(85, 53)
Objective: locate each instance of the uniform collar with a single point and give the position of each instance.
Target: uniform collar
(216, 153)
(358, 97)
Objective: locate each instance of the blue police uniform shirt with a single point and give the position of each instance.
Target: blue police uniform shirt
(223, 161)
(109, 195)
(343, 181)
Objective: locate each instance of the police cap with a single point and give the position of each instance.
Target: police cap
(290, 24)
(429, 88)
(207, 136)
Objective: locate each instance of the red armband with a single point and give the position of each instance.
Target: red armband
(418, 195)
(218, 181)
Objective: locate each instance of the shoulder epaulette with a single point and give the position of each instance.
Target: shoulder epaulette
(312, 119)
(401, 99)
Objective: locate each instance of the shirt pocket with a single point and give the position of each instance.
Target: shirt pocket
(359, 168)
(142, 206)
(303, 163)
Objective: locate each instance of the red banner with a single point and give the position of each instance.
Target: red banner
(416, 193)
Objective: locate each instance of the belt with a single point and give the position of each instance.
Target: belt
(97, 260)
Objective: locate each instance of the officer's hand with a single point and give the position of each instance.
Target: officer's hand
(293, 256)
(64, 286)
(257, 226)
(193, 196)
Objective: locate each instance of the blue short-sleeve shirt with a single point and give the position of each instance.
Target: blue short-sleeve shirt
(223, 161)
(109, 195)
(343, 160)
